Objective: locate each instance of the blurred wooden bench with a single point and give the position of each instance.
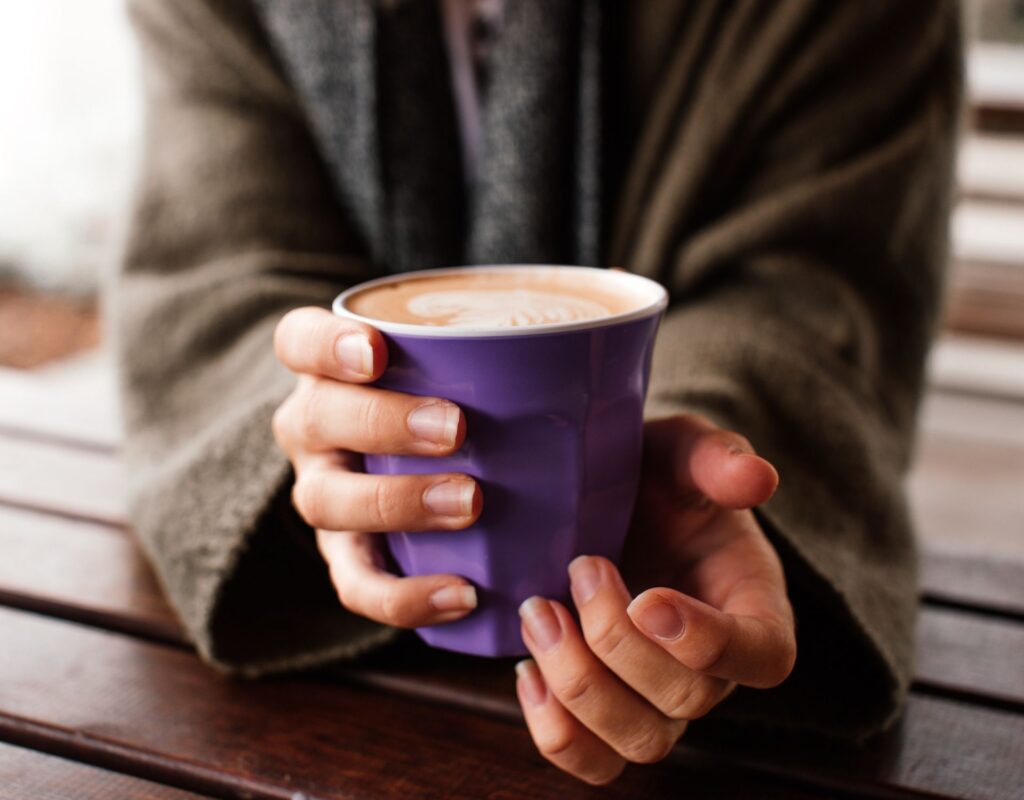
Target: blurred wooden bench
(986, 287)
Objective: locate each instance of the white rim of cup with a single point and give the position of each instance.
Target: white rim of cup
(658, 303)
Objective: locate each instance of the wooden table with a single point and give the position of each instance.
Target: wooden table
(100, 697)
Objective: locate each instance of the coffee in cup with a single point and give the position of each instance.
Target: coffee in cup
(499, 298)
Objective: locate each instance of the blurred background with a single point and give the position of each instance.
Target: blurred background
(70, 142)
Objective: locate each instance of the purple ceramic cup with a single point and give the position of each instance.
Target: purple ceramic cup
(554, 425)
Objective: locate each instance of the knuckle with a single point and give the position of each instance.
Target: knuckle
(712, 655)
(311, 413)
(576, 690)
(649, 746)
(555, 741)
(388, 608)
(384, 505)
(393, 610)
(373, 415)
(688, 704)
(605, 637)
(309, 498)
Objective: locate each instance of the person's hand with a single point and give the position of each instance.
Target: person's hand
(325, 424)
(625, 686)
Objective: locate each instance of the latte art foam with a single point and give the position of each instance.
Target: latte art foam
(498, 298)
(502, 309)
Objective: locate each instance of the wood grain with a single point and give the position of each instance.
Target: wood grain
(986, 231)
(986, 299)
(995, 75)
(83, 571)
(30, 774)
(76, 483)
(977, 390)
(156, 711)
(939, 748)
(73, 401)
(991, 167)
(967, 495)
(986, 584)
(957, 650)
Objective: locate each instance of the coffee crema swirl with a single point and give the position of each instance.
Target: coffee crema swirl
(502, 309)
(483, 299)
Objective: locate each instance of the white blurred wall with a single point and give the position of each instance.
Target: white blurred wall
(69, 122)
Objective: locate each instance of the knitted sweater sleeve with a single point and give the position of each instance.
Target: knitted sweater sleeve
(234, 223)
(790, 184)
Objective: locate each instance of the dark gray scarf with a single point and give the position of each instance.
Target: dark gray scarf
(374, 80)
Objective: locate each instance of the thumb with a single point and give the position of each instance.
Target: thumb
(698, 456)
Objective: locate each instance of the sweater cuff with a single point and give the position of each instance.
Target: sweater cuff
(252, 598)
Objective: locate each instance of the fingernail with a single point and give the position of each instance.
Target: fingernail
(534, 689)
(454, 598)
(661, 620)
(541, 622)
(435, 422)
(355, 354)
(586, 578)
(450, 498)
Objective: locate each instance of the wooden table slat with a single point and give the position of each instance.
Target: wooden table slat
(991, 167)
(939, 748)
(81, 570)
(160, 710)
(78, 483)
(957, 650)
(31, 774)
(117, 701)
(73, 400)
(973, 581)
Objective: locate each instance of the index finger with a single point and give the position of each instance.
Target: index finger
(314, 341)
(365, 587)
